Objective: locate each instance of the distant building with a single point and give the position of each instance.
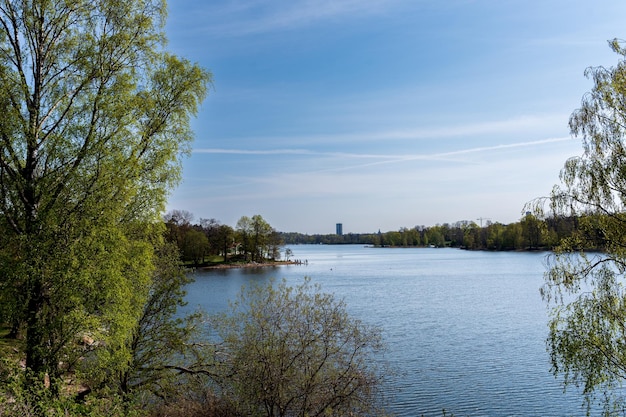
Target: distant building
(339, 229)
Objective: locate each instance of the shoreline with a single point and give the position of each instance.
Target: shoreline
(252, 264)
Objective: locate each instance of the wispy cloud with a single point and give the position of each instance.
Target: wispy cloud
(451, 156)
(276, 152)
(387, 158)
(397, 179)
(503, 146)
(243, 18)
(483, 176)
(496, 127)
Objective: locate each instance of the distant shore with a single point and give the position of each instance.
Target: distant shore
(252, 264)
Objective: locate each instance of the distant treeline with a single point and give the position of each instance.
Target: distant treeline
(530, 233)
(254, 240)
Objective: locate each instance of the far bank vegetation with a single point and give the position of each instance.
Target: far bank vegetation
(208, 242)
(253, 240)
(530, 233)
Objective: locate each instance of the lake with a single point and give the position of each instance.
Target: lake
(465, 330)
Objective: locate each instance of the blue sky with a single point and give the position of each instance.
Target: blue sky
(382, 114)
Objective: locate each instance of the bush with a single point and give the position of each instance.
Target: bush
(296, 351)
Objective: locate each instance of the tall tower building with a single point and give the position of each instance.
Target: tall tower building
(339, 229)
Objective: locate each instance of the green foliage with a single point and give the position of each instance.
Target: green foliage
(588, 323)
(94, 116)
(259, 241)
(253, 241)
(220, 236)
(161, 350)
(530, 233)
(162, 340)
(296, 351)
(195, 246)
(21, 397)
(534, 231)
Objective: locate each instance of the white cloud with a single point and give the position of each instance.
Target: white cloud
(385, 158)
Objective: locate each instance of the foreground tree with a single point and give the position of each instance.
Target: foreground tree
(94, 115)
(587, 340)
(162, 341)
(296, 351)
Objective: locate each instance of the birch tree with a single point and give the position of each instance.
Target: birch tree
(587, 340)
(94, 115)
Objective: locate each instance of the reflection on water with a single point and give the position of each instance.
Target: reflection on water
(465, 330)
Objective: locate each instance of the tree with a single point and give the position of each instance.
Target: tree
(195, 246)
(161, 342)
(260, 234)
(495, 232)
(94, 116)
(273, 244)
(244, 230)
(434, 236)
(296, 351)
(220, 236)
(472, 236)
(532, 230)
(587, 339)
(259, 240)
(513, 236)
(225, 239)
(178, 223)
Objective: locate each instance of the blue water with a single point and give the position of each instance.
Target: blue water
(465, 330)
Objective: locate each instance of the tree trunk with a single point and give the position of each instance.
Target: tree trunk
(35, 334)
